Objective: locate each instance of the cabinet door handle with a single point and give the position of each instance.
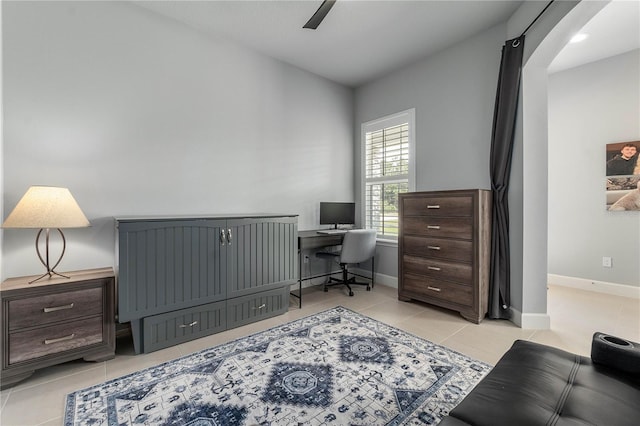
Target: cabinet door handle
(190, 324)
(222, 237)
(229, 236)
(57, 308)
(259, 307)
(434, 268)
(59, 339)
(434, 288)
(433, 206)
(433, 247)
(433, 227)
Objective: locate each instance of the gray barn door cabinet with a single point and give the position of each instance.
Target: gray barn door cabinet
(182, 278)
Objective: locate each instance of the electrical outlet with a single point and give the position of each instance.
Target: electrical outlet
(306, 259)
(606, 262)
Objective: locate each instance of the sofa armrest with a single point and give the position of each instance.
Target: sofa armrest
(616, 353)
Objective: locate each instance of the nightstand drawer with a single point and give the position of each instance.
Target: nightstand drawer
(456, 250)
(441, 269)
(54, 339)
(450, 227)
(45, 309)
(437, 289)
(438, 206)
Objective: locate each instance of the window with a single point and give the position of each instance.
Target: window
(388, 169)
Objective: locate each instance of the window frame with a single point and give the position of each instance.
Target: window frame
(406, 116)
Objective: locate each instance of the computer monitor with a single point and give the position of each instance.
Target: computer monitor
(337, 214)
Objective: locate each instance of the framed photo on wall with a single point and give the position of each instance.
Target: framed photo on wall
(623, 176)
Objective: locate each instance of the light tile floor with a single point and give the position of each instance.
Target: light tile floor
(575, 316)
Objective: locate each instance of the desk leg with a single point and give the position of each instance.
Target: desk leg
(300, 279)
(373, 271)
(299, 295)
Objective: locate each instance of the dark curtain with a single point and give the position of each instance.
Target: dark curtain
(504, 121)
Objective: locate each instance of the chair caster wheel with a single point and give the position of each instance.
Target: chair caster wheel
(351, 293)
(368, 288)
(326, 290)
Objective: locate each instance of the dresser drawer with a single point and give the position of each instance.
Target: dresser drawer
(45, 309)
(438, 206)
(438, 289)
(437, 248)
(439, 269)
(172, 328)
(26, 345)
(454, 227)
(248, 309)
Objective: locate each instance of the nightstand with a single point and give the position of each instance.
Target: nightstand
(56, 320)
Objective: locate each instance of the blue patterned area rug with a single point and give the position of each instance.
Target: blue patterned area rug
(333, 368)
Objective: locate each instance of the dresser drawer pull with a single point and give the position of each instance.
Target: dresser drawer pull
(259, 307)
(190, 324)
(434, 268)
(433, 227)
(58, 308)
(435, 206)
(59, 339)
(433, 247)
(433, 288)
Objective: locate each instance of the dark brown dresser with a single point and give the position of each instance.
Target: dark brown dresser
(55, 320)
(444, 249)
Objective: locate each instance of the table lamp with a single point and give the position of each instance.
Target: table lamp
(44, 208)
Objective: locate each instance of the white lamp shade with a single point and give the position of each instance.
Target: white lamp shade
(46, 207)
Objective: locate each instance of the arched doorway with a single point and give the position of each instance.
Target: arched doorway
(528, 192)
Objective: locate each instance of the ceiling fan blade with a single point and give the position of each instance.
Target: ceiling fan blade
(317, 17)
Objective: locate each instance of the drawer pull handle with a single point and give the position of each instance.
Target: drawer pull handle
(57, 308)
(433, 247)
(434, 206)
(259, 307)
(433, 227)
(434, 288)
(434, 268)
(223, 237)
(190, 325)
(229, 236)
(59, 339)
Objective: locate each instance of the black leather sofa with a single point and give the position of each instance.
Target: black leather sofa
(534, 384)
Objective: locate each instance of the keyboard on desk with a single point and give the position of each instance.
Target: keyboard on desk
(332, 231)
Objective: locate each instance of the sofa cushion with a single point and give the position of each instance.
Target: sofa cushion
(535, 384)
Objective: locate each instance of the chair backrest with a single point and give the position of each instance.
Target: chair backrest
(358, 246)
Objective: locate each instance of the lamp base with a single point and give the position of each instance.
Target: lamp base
(45, 261)
(50, 274)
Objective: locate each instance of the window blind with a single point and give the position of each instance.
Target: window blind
(386, 175)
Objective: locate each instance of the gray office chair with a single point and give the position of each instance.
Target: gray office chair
(358, 245)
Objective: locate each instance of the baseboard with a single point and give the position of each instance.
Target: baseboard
(531, 321)
(595, 286)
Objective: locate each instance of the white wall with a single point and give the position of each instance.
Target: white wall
(589, 107)
(137, 114)
(453, 93)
